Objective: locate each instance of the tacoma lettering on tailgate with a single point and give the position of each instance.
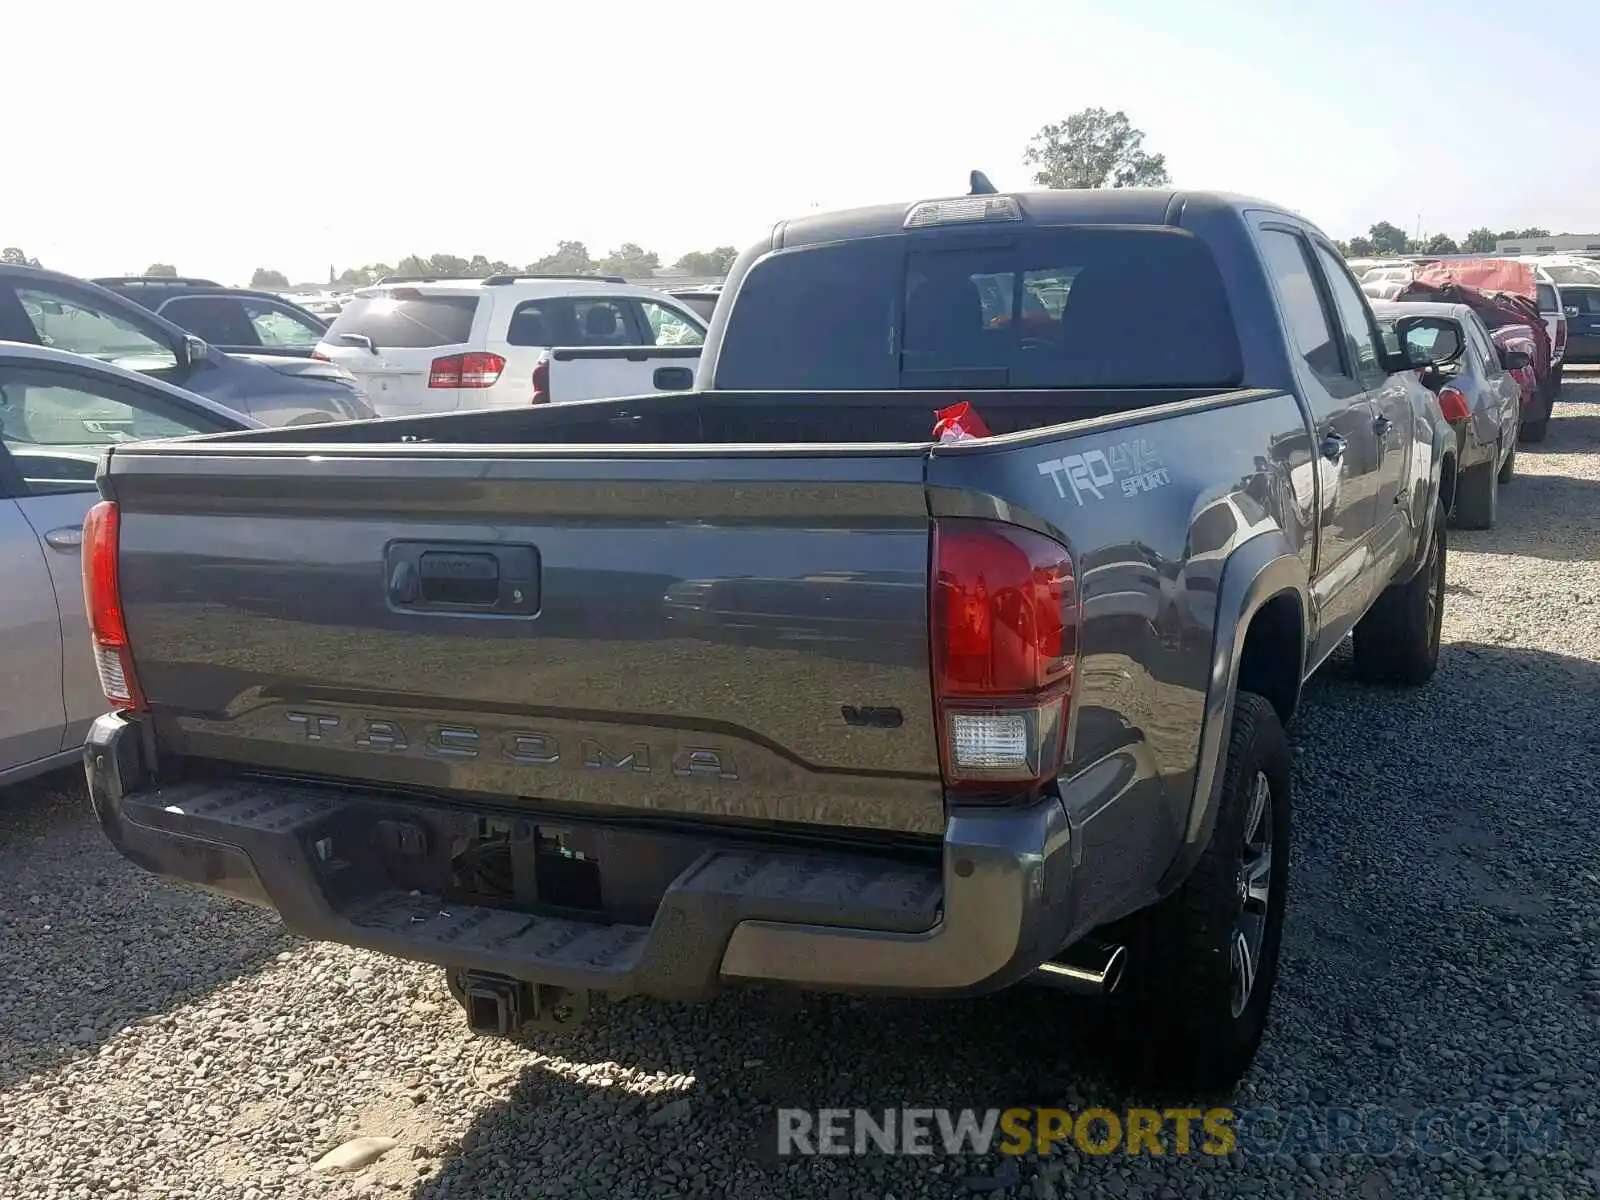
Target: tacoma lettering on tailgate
(528, 747)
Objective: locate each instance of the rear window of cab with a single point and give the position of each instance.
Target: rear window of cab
(1080, 307)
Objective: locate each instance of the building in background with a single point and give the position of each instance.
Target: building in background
(1583, 244)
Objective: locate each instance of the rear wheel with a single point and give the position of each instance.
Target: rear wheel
(1478, 497)
(1555, 380)
(1537, 424)
(1203, 962)
(1398, 640)
(1509, 467)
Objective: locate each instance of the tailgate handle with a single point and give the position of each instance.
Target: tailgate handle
(457, 577)
(446, 578)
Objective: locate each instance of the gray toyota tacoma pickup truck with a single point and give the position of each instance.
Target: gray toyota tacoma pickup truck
(759, 682)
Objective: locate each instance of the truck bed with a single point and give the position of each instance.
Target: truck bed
(833, 419)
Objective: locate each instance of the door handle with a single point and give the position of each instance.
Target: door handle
(68, 537)
(1382, 426)
(1333, 446)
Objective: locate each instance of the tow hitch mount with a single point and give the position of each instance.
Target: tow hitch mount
(499, 1006)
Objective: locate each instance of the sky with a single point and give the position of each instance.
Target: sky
(223, 137)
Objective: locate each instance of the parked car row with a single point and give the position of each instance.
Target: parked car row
(434, 345)
(1566, 289)
(46, 308)
(235, 320)
(403, 347)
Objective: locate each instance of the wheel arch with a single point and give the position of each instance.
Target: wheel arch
(1261, 634)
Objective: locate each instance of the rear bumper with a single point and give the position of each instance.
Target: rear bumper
(999, 904)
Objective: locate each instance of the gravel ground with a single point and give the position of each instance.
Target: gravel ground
(1442, 951)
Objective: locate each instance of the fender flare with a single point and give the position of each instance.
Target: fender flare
(1260, 570)
(1423, 520)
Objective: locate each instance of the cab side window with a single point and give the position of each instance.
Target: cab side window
(1354, 314)
(80, 325)
(55, 423)
(1303, 311)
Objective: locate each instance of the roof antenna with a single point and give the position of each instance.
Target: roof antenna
(981, 185)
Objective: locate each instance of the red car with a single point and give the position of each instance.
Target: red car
(1519, 318)
(1519, 338)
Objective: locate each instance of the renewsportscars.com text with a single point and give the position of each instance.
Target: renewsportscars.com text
(1265, 1132)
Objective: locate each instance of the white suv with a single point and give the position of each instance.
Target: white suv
(425, 345)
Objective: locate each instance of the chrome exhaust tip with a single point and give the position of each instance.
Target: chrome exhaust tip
(1088, 969)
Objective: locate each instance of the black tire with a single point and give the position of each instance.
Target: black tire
(1478, 497)
(1534, 429)
(1398, 640)
(1508, 469)
(1180, 1027)
(1555, 380)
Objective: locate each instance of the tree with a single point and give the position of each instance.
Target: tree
(1361, 247)
(1479, 241)
(413, 264)
(165, 270)
(481, 267)
(447, 264)
(708, 262)
(1441, 243)
(13, 256)
(1535, 232)
(363, 276)
(570, 258)
(1387, 238)
(1093, 149)
(273, 280)
(630, 261)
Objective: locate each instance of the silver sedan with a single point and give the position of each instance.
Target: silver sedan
(58, 413)
(1481, 400)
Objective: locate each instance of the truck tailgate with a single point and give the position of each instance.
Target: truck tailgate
(673, 633)
(596, 372)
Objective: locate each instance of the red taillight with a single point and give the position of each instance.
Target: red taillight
(102, 600)
(475, 370)
(541, 382)
(1453, 403)
(1005, 649)
(1561, 334)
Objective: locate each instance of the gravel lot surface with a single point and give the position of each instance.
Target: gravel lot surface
(1443, 950)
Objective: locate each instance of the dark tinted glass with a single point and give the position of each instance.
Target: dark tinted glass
(1048, 308)
(220, 320)
(1547, 298)
(822, 317)
(1585, 300)
(421, 321)
(574, 321)
(1303, 313)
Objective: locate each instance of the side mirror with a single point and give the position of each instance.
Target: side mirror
(673, 379)
(1571, 310)
(1428, 341)
(194, 351)
(1515, 360)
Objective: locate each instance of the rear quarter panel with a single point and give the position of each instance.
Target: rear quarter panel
(1154, 510)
